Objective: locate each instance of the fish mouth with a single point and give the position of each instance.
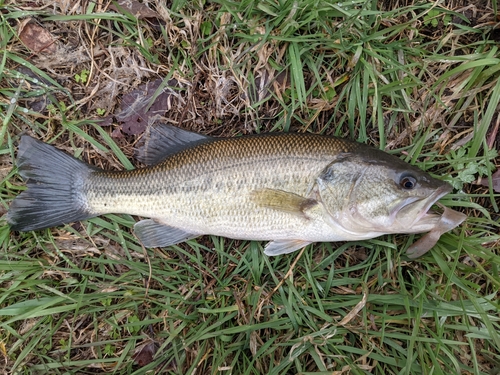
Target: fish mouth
(433, 198)
(426, 217)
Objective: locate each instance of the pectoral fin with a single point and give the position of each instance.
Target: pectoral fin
(154, 234)
(283, 201)
(280, 247)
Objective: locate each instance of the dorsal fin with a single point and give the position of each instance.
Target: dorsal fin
(161, 140)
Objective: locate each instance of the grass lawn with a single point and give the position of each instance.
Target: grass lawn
(419, 79)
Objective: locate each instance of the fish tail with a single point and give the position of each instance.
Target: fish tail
(55, 193)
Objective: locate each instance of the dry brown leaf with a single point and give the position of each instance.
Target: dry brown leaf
(139, 10)
(136, 109)
(144, 354)
(36, 38)
(495, 179)
(37, 103)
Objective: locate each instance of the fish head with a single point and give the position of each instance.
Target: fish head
(376, 193)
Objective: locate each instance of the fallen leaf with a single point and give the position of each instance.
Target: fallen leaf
(136, 109)
(36, 38)
(495, 179)
(36, 103)
(105, 121)
(139, 10)
(145, 353)
(117, 133)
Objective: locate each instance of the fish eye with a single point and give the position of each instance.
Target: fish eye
(408, 182)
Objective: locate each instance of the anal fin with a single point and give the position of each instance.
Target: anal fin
(154, 234)
(280, 247)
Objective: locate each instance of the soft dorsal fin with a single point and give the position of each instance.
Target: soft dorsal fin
(161, 140)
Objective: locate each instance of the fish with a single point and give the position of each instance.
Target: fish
(289, 189)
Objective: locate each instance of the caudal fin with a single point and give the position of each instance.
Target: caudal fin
(54, 195)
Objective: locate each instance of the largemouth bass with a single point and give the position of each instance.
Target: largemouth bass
(289, 189)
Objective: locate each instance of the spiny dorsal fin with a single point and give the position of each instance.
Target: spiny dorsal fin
(161, 140)
(283, 201)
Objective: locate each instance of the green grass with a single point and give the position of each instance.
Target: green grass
(414, 79)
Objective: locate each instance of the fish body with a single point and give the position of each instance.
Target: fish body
(289, 189)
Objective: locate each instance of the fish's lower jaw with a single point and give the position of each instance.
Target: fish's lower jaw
(367, 229)
(423, 224)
